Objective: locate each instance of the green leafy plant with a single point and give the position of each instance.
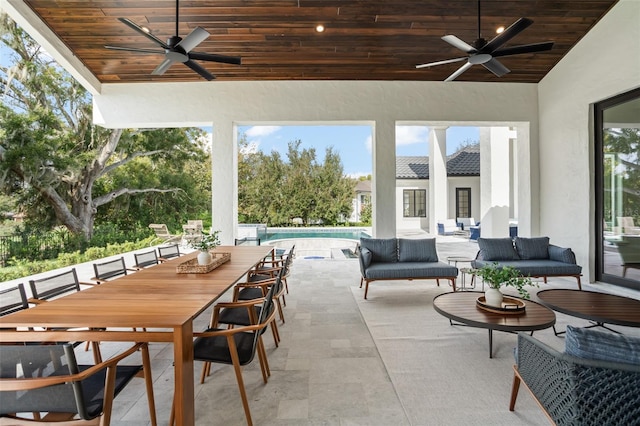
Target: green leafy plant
(496, 276)
(206, 242)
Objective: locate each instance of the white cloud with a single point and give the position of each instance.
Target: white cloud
(257, 132)
(407, 135)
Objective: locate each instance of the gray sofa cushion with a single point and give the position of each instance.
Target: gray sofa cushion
(593, 344)
(420, 250)
(497, 249)
(536, 267)
(406, 270)
(365, 259)
(382, 249)
(561, 254)
(532, 248)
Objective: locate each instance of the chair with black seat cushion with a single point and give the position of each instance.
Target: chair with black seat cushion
(109, 270)
(45, 289)
(168, 252)
(13, 299)
(146, 259)
(257, 286)
(238, 346)
(47, 379)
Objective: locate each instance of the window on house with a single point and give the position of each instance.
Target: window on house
(463, 202)
(415, 203)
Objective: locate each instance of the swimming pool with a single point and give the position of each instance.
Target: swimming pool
(316, 243)
(337, 233)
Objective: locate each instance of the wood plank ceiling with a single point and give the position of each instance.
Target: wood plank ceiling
(277, 40)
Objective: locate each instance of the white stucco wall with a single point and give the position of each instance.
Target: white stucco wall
(465, 182)
(605, 63)
(410, 223)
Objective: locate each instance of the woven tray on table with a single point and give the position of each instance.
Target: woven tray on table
(192, 267)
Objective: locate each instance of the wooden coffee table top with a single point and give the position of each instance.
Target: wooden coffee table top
(593, 306)
(461, 307)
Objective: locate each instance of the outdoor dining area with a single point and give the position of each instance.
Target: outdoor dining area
(154, 302)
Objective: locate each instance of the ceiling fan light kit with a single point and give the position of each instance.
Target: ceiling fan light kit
(485, 53)
(177, 49)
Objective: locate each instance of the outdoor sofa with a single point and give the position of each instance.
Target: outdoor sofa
(532, 257)
(402, 259)
(594, 382)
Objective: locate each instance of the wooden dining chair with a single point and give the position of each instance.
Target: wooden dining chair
(13, 299)
(47, 379)
(59, 285)
(259, 283)
(236, 346)
(146, 259)
(168, 252)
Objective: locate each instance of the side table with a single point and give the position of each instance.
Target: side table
(464, 271)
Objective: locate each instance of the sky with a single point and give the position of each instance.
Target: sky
(352, 143)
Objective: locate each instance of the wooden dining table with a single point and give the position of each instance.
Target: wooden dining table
(158, 302)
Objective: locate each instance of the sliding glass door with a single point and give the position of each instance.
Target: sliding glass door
(618, 189)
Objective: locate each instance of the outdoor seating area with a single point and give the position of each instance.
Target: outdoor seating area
(338, 357)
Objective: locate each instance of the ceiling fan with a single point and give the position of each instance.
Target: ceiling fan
(485, 53)
(177, 49)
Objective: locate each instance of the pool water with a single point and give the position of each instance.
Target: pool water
(287, 234)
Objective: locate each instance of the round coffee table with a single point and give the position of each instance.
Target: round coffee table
(461, 307)
(600, 308)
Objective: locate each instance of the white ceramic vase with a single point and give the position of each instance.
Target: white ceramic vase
(493, 297)
(204, 258)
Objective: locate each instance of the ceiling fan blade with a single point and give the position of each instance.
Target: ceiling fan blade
(163, 67)
(215, 58)
(195, 37)
(448, 61)
(459, 72)
(507, 34)
(200, 70)
(459, 44)
(133, 49)
(147, 34)
(496, 67)
(524, 48)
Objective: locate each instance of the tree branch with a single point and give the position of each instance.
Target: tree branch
(104, 199)
(130, 158)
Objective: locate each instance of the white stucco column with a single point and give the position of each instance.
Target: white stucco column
(495, 181)
(526, 195)
(438, 184)
(383, 189)
(224, 176)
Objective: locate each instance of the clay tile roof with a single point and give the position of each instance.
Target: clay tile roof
(465, 162)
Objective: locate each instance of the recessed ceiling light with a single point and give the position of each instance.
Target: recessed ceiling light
(499, 30)
(320, 28)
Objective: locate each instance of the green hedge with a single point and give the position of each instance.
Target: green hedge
(24, 268)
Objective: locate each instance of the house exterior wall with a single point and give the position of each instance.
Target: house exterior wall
(472, 182)
(605, 63)
(409, 223)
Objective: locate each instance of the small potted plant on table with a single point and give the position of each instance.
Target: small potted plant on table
(205, 244)
(496, 277)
